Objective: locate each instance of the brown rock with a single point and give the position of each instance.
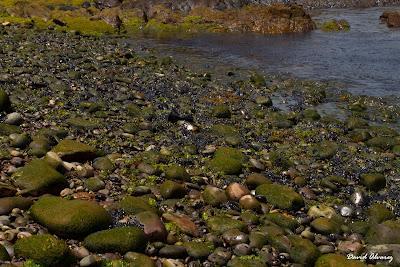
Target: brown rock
(153, 227)
(391, 18)
(235, 191)
(183, 222)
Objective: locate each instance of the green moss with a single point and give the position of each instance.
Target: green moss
(122, 240)
(43, 249)
(176, 172)
(303, 251)
(199, 250)
(335, 25)
(221, 224)
(39, 177)
(86, 26)
(227, 160)
(70, 218)
(138, 260)
(280, 196)
(71, 150)
(283, 220)
(133, 205)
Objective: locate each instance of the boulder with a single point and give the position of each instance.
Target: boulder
(121, 239)
(38, 177)
(70, 218)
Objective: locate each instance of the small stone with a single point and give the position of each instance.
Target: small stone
(94, 184)
(173, 251)
(373, 181)
(14, 118)
(234, 237)
(19, 140)
(103, 164)
(214, 196)
(256, 179)
(89, 260)
(280, 196)
(176, 172)
(264, 101)
(235, 191)
(153, 227)
(249, 202)
(170, 189)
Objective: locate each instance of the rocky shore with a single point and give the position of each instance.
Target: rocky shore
(111, 156)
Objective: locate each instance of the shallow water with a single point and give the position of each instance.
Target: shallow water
(366, 59)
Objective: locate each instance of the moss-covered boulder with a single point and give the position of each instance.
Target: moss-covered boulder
(5, 103)
(337, 260)
(281, 196)
(121, 239)
(138, 259)
(227, 160)
(378, 213)
(214, 196)
(221, 224)
(4, 256)
(134, 205)
(70, 218)
(43, 249)
(70, 150)
(373, 181)
(198, 250)
(7, 204)
(38, 177)
(326, 225)
(387, 232)
(302, 250)
(176, 172)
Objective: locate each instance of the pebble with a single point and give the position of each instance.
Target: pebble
(14, 118)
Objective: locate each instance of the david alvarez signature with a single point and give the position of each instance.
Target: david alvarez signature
(370, 256)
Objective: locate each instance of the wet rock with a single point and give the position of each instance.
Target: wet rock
(7, 190)
(7, 204)
(282, 220)
(227, 160)
(280, 196)
(134, 205)
(235, 191)
(387, 232)
(391, 18)
(74, 151)
(324, 150)
(39, 147)
(153, 227)
(257, 239)
(173, 251)
(170, 189)
(138, 259)
(321, 211)
(214, 196)
(7, 129)
(198, 250)
(70, 218)
(221, 224)
(183, 222)
(176, 172)
(43, 249)
(234, 237)
(5, 103)
(90, 260)
(373, 181)
(121, 239)
(38, 177)
(335, 25)
(249, 202)
(243, 262)
(347, 247)
(220, 256)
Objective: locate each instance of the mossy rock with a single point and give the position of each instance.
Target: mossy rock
(227, 160)
(121, 239)
(335, 25)
(134, 205)
(135, 259)
(258, 79)
(359, 227)
(103, 164)
(94, 184)
(303, 251)
(387, 232)
(82, 123)
(373, 181)
(221, 224)
(326, 225)
(256, 179)
(44, 249)
(381, 142)
(176, 172)
(223, 130)
(19, 140)
(378, 213)
(70, 218)
(324, 150)
(337, 260)
(279, 159)
(282, 220)
(221, 111)
(246, 261)
(5, 103)
(333, 182)
(311, 114)
(276, 237)
(7, 129)
(170, 189)
(39, 147)
(199, 250)
(7, 204)
(281, 196)
(214, 196)
(356, 123)
(4, 256)
(70, 150)
(38, 177)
